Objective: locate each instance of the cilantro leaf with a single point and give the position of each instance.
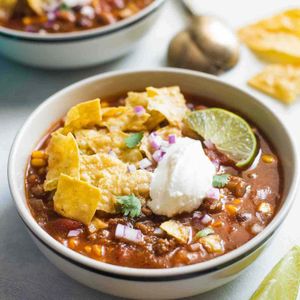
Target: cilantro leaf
(134, 139)
(219, 181)
(129, 205)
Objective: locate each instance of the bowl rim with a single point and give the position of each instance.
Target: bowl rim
(142, 274)
(84, 34)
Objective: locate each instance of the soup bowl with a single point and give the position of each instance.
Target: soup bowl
(82, 48)
(151, 283)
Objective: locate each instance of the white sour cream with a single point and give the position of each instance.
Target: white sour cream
(182, 179)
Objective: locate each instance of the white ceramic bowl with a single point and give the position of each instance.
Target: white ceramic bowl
(78, 49)
(150, 283)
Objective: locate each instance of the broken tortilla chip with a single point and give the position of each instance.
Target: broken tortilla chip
(279, 81)
(275, 39)
(177, 230)
(7, 8)
(91, 141)
(169, 102)
(123, 118)
(76, 199)
(63, 158)
(83, 115)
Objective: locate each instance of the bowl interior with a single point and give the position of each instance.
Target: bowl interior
(116, 83)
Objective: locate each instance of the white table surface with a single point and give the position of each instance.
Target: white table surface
(24, 272)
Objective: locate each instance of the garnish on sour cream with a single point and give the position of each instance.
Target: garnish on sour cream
(182, 179)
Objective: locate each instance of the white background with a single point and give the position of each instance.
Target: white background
(24, 272)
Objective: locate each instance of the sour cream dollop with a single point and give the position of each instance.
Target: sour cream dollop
(182, 179)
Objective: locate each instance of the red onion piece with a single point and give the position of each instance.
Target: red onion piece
(172, 139)
(145, 163)
(126, 233)
(206, 219)
(155, 140)
(158, 155)
(213, 193)
(73, 233)
(139, 110)
(131, 168)
(113, 154)
(209, 145)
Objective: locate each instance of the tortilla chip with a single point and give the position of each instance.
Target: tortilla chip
(7, 8)
(177, 230)
(76, 199)
(94, 167)
(83, 115)
(96, 225)
(275, 39)
(123, 118)
(120, 184)
(63, 158)
(137, 99)
(279, 81)
(169, 102)
(38, 6)
(91, 141)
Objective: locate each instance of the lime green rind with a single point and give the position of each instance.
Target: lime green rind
(283, 281)
(231, 134)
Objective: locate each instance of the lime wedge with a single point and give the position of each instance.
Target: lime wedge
(283, 281)
(231, 134)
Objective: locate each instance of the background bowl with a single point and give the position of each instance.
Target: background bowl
(78, 49)
(150, 283)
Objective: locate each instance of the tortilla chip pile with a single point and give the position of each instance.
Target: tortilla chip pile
(276, 40)
(89, 160)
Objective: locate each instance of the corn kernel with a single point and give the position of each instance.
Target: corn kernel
(268, 159)
(38, 154)
(38, 162)
(237, 201)
(218, 223)
(88, 249)
(97, 250)
(231, 209)
(73, 243)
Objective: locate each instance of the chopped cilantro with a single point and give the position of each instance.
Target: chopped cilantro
(204, 232)
(129, 205)
(219, 181)
(134, 139)
(64, 6)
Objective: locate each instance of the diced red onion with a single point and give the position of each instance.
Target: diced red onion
(139, 110)
(172, 139)
(209, 145)
(256, 228)
(197, 214)
(129, 234)
(30, 28)
(216, 163)
(75, 232)
(88, 12)
(158, 231)
(145, 163)
(113, 154)
(158, 155)
(155, 140)
(213, 193)
(51, 16)
(131, 168)
(206, 219)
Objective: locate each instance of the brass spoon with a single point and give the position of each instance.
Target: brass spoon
(207, 45)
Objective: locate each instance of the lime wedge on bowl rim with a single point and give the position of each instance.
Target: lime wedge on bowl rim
(284, 279)
(230, 134)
